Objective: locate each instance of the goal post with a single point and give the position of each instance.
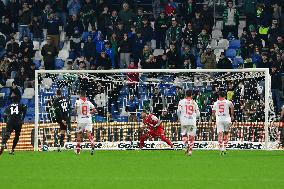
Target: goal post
(197, 79)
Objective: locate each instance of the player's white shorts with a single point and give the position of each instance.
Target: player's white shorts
(81, 127)
(188, 130)
(223, 126)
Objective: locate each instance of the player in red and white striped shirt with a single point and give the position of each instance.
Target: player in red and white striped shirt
(224, 111)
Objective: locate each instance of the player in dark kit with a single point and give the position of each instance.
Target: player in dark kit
(61, 107)
(154, 129)
(14, 114)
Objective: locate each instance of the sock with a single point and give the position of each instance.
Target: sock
(142, 139)
(185, 140)
(15, 142)
(226, 140)
(78, 146)
(191, 143)
(91, 138)
(62, 136)
(220, 140)
(6, 138)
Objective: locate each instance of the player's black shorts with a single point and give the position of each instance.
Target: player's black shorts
(62, 125)
(17, 127)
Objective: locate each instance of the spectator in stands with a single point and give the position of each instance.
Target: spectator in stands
(279, 62)
(26, 48)
(204, 40)
(125, 50)
(132, 107)
(103, 62)
(230, 20)
(49, 51)
(21, 77)
(89, 50)
(188, 59)
(208, 58)
(126, 15)
(188, 10)
(173, 57)
(266, 62)
(60, 9)
(13, 8)
(161, 25)
(12, 47)
(110, 53)
(75, 45)
(99, 42)
(13, 66)
(73, 7)
(207, 13)
(2, 45)
(253, 41)
(137, 46)
(174, 34)
(274, 31)
(25, 18)
(166, 116)
(36, 29)
(280, 43)
(26, 63)
(146, 31)
(100, 100)
(52, 26)
(250, 10)
(189, 37)
(150, 63)
(112, 23)
(157, 102)
(74, 25)
(7, 29)
(224, 62)
(157, 8)
(146, 52)
(103, 19)
(15, 91)
(276, 85)
(87, 14)
(138, 22)
(198, 22)
(170, 7)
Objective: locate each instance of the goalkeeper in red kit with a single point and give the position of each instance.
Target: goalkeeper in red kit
(154, 129)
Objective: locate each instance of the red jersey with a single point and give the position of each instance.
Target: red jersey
(151, 121)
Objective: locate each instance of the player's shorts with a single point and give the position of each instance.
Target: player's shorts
(62, 125)
(14, 126)
(188, 130)
(223, 126)
(81, 127)
(157, 132)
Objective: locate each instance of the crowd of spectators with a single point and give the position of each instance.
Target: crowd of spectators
(96, 35)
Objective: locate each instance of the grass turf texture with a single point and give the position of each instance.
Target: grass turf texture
(142, 169)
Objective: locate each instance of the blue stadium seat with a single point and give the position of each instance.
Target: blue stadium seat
(237, 62)
(37, 64)
(5, 90)
(235, 44)
(25, 101)
(59, 64)
(230, 53)
(85, 36)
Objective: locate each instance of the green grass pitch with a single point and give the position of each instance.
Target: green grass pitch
(143, 169)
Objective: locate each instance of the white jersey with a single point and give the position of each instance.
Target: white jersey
(84, 108)
(222, 110)
(188, 111)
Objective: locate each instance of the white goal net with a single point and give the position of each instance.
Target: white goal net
(120, 95)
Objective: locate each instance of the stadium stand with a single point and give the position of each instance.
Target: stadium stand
(111, 34)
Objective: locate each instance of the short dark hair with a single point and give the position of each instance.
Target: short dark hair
(222, 94)
(58, 92)
(82, 93)
(188, 93)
